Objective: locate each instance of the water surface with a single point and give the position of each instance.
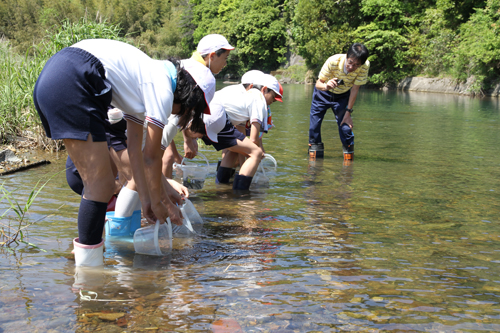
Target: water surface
(406, 238)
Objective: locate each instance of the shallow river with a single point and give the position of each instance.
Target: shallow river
(406, 238)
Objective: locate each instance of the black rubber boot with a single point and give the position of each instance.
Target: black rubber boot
(223, 175)
(233, 170)
(242, 182)
(316, 150)
(348, 149)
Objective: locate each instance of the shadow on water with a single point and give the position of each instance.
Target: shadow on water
(405, 238)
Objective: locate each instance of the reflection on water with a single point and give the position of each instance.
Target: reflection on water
(403, 239)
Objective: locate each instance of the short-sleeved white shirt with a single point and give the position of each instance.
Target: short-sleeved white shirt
(141, 86)
(169, 131)
(242, 106)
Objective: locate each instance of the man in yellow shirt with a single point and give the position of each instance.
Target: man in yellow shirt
(337, 88)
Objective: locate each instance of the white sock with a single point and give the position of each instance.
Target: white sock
(127, 202)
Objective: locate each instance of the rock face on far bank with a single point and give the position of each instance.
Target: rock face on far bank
(446, 86)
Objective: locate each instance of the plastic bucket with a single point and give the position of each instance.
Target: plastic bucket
(194, 174)
(190, 211)
(267, 166)
(191, 220)
(184, 230)
(154, 240)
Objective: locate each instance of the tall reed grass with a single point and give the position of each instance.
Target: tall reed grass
(18, 74)
(15, 221)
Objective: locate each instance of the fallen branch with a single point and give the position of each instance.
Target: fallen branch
(25, 167)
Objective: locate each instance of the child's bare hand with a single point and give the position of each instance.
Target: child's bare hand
(148, 213)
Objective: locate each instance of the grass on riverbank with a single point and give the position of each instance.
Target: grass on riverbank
(18, 75)
(294, 74)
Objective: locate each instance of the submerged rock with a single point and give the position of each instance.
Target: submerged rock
(8, 155)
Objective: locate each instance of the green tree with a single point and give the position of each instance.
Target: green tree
(457, 12)
(167, 40)
(323, 28)
(387, 36)
(477, 54)
(260, 34)
(256, 28)
(19, 22)
(436, 40)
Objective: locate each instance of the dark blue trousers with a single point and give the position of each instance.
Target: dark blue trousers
(321, 102)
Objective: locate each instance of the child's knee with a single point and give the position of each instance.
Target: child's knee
(257, 153)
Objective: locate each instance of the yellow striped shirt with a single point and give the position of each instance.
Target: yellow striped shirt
(334, 68)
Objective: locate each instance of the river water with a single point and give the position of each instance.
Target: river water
(406, 238)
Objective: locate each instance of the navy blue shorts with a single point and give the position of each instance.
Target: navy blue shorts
(116, 135)
(72, 96)
(73, 177)
(227, 137)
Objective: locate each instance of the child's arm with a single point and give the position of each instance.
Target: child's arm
(146, 167)
(190, 145)
(261, 144)
(134, 147)
(160, 202)
(181, 189)
(255, 133)
(175, 153)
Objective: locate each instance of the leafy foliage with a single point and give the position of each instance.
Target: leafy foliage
(322, 28)
(256, 28)
(19, 73)
(455, 38)
(478, 51)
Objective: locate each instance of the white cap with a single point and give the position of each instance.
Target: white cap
(212, 43)
(251, 77)
(203, 77)
(272, 83)
(215, 121)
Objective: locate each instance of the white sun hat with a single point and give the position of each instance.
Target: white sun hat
(272, 83)
(203, 77)
(251, 77)
(212, 43)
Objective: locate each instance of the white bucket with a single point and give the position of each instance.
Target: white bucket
(193, 174)
(267, 166)
(190, 222)
(154, 240)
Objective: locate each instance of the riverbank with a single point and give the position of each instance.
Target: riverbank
(445, 86)
(297, 73)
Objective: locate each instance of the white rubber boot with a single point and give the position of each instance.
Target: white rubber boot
(88, 255)
(127, 202)
(89, 261)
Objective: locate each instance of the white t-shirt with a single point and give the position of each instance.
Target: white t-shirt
(242, 106)
(169, 132)
(141, 86)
